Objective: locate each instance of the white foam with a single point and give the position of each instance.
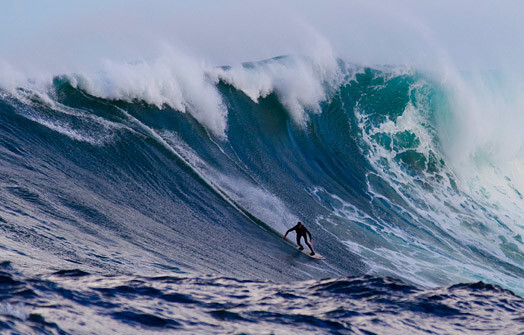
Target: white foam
(173, 79)
(485, 210)
(483, 141)
(300, 83)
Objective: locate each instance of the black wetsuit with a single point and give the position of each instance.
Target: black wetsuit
(301, 232)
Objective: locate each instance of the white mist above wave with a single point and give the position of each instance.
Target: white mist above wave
(61, 36)
(480, 132)
(484, 116)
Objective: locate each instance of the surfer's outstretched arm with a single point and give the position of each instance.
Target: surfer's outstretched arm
(289, 230)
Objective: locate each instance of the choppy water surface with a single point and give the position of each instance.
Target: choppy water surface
(75, 302)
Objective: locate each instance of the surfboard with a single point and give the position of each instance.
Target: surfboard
(316, 256)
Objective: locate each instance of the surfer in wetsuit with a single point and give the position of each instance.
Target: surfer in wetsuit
(301, 232)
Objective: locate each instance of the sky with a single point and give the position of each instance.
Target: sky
(67, 35)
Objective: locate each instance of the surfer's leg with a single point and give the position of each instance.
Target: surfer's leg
(300, 247)
(309, 246)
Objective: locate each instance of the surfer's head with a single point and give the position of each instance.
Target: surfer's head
(299, 224)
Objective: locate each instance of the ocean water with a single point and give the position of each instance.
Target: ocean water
(153, 196)
(76, 302)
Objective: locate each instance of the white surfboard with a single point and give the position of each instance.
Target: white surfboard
(316, 256)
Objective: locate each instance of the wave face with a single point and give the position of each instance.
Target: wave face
(153, 168)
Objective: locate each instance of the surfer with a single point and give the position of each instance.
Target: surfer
(301, 232)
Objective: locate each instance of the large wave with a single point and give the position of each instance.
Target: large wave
(171, 163)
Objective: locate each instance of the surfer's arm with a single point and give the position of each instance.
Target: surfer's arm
(307, 231)
(289, 230)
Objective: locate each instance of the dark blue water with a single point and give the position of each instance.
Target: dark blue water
(119, 216)
(76, 302)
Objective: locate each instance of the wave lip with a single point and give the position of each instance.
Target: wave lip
(174, 80)
(301, 83)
